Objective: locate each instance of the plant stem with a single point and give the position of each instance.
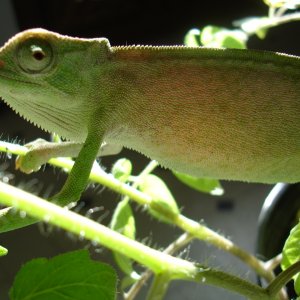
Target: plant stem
(158, 262)
(274, 262)
(273, 21)
(238, 285)
(178, 244)
(84, 227)
(283, 278)
(158, 287)
(204, 233)
(282, 19)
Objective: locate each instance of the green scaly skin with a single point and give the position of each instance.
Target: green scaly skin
(218, 113)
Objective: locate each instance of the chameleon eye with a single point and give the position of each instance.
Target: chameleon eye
(34, 55)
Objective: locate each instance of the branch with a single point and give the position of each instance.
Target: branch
(178, 244)
(283, 278)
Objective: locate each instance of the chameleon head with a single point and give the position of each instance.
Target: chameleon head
(47, 78)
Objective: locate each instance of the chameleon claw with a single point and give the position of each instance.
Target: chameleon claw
(33, 159)
(24, 164)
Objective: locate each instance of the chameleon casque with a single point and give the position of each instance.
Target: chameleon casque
(217, 113)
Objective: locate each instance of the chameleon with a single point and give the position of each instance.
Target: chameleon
(227, 114)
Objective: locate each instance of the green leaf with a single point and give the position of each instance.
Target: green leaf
(192, 38)
(3, 251)
(252, 25)
(291, 254)
(163, 205)
(127, 281)
(297, 284)
(208, 34)
(231, 39)
(122, 169)
(55, 138)
(206, 185)
(123, 222)
(213, 36)
(71, 275)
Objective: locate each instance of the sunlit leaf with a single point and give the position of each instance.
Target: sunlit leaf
(122, 169)
(206, 185)
(291, 254)
(217, 37)
(208, 34)
(3, 251)
(163, 205)
(192, 38)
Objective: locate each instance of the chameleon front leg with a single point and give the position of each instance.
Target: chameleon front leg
(40, 151)
(79, 175)
(72, 189)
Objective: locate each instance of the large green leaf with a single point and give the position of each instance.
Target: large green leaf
(71, 275)
(291, 254)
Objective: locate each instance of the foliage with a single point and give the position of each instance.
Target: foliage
(68, 276)
(291, 254)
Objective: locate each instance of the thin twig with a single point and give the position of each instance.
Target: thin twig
(178, 244)
(275, 21)
(274, 262)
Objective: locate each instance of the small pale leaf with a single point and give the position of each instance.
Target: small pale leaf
(208, 34)
(163, 205)
(122, 169)
(123, 222)
(206, 185)
(192, 38)
(3, 251)
(216, 37)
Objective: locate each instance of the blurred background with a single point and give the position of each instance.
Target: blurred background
(235, 214)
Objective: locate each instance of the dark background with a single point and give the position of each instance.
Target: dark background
(137, 22)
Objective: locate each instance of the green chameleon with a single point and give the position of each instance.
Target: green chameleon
(216, 113)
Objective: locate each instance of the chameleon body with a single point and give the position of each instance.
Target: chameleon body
(219, 113)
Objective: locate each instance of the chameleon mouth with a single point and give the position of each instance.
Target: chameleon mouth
(16, 79)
